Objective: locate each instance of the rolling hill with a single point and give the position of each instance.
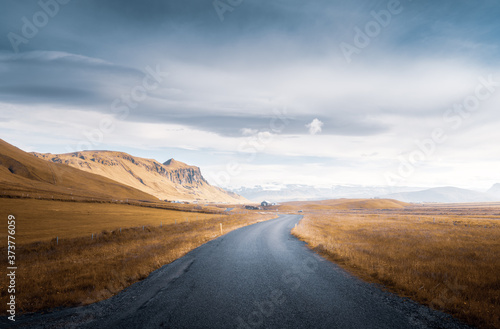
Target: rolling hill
(172, 180)
(21, 172)
(365, 204)
(343, 204)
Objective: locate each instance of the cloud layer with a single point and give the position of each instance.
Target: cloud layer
(270, 80)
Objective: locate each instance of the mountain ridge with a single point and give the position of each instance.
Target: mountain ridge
(495, 190)
(22, 172)
(301, 192)
(172, 180)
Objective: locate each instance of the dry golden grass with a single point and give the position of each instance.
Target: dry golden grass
(79, 270)
(445, 257)
(43, 220)
(343, 204)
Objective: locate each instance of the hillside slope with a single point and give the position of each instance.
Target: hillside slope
(343, 204)
(365, 204)
(22, 172)
(172, 180)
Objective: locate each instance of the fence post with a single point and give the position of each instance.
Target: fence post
(92, 236)
(220, 228)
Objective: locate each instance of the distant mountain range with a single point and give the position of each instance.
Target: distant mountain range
(297, 192)
(117, 175)
(446, 194)
(495, 190)
(293, 192)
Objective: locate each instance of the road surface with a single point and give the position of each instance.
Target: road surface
(259, 276)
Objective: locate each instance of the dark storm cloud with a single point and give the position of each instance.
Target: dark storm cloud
(59, 78)
(97, 27)
(93, 52)
(90, 84)
(234, 126)
(37, 93)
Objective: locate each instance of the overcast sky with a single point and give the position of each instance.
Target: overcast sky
(254, 92)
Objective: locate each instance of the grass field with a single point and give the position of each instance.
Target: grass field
(43, 220)
(78, 270)
(442, 256)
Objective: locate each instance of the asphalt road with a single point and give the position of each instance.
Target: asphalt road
(259, 276)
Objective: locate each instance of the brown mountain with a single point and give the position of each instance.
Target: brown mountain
(21, 172)
(172, 180)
